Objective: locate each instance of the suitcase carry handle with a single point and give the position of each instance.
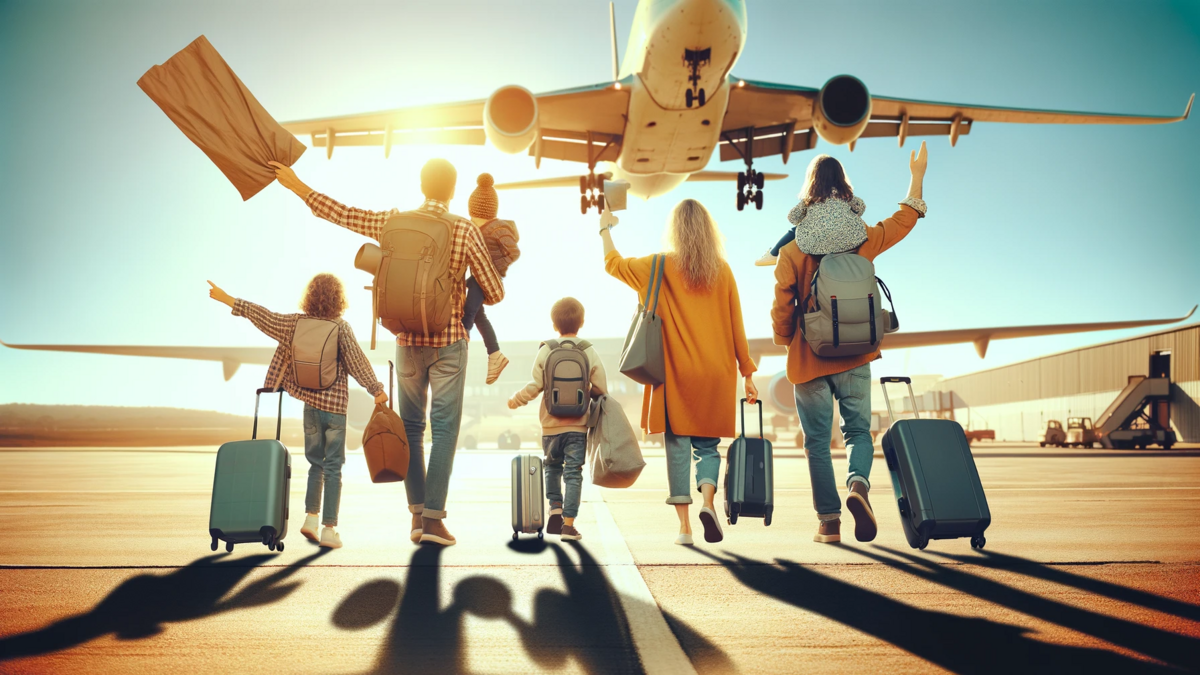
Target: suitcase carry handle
(278, 413)
(760, 418)
(883, 382)
(391, 400)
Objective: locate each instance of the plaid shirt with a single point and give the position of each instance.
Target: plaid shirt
(280, 327)
(468, 249)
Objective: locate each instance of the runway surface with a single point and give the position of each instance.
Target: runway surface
(1092, 563)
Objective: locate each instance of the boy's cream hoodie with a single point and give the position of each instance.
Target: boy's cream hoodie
(552, 426)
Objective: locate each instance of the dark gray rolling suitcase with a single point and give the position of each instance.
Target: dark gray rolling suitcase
(749, 485)
(934, 477)
(250, 489)
(528, 499)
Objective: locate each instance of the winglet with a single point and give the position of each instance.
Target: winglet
(1188, 110)
(1189, 314)
(612, 30)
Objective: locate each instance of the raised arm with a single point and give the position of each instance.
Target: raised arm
(362, 221)
(272, 324)
(888, 232)
(357, 364)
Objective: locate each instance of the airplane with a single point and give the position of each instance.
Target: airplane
(485, 409)
(672, 103)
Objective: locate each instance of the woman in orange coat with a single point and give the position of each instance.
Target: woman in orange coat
(704, 345)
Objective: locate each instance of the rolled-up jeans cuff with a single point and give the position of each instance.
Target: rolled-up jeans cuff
(433, 514)
(416, 509)
(858, 479)
(826, 517)
(705, 481)
(685, 499)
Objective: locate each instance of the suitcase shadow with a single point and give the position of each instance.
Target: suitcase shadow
(957, 643)
(141, 606)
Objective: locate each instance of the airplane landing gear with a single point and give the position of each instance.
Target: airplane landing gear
(750, 185)
(695, 59)
(591, 192)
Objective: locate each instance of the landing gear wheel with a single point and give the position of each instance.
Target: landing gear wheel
(583, 186)
(978, 542)
(741, 181)
(229, 547)
(758, 180)
(689, 98)
(741, 201)
(758, 200)
(214, 543)
(600, 203)
(700, 99)
(583, 204)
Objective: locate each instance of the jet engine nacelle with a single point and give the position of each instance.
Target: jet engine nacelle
(781, 395)
(842, 110)
(510, 119)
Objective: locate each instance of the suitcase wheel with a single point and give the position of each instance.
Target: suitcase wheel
(514, 536)
(767, 518)
(229, 547)
(214, 543)
(271, 546)
(733, 518)
(541, 535)
(922, 543)
(978, 542)
(279, 547)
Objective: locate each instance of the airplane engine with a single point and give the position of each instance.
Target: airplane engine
(510, 119)
(780, 395)
(842, 110)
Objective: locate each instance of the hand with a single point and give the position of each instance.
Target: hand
(608, 219)
(512, 404)
(918, 160)
(288, 179)
(381, 398)
(219, 295)
(751, 390)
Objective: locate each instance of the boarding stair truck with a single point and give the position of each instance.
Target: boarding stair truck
(1140, 416)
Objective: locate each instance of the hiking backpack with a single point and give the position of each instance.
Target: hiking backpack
(315, 353)
(847, 317)
(414, 283)
(566, 378)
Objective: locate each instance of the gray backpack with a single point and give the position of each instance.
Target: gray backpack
(566, 378)
(315, 353)
(846, 317)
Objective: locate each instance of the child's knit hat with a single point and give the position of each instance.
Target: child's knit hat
(484, 202)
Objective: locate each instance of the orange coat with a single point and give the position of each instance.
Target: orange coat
(703, 341)
(793, 275)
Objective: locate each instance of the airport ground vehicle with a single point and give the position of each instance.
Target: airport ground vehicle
(1140, 416)
(1081, 433)
(1053, 435)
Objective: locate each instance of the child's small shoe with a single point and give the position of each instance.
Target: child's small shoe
(555, 524)
(310, 527)
(570, 533)
(330, 538)
(496, 363)
(767, 260)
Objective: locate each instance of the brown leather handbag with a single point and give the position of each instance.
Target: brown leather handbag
(385, 442)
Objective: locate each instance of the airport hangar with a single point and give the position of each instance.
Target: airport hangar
(1018, 399)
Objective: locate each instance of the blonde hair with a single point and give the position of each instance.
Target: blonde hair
(695, 243)
(324, 298)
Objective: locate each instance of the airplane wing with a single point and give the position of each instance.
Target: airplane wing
(573, 181)
(780, 118)
(981, 337)
(569, 120)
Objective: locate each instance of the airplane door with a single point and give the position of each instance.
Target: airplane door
(1160, 364)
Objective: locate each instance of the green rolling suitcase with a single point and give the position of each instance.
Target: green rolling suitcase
(250, 489)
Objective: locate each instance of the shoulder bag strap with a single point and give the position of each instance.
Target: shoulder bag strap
(657, 281)
(650, 283)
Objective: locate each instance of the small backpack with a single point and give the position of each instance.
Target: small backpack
(847, 317)
(315, 353)
(414, 284)
(566, 378)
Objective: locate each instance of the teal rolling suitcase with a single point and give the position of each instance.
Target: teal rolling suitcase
(749, 481)
(250, 489)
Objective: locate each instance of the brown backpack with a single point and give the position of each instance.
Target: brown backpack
(414, 285)
(385, 443)
(315, 353)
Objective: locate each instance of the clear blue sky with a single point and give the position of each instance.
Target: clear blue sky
(113, 220)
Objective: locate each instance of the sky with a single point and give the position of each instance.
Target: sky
(113, 220)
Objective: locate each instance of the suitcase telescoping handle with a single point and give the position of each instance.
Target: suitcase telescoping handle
(278, 413)
(760, 418)
(883, 382)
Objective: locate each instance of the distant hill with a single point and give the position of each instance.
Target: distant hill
(27, 425)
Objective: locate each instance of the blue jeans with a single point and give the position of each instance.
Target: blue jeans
(325, 449)
(563, 463)
(679, 455)
(814, 403)
(442, 370)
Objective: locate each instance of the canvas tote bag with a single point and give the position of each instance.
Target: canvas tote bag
(211, 106)
(612, 448)
(642, 356)
(385, 443)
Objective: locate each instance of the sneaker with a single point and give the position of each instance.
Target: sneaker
(767, 260)
(496, 363)
(570, 533)
(683, 540)
(310, 527)
(555, 524)
(434, 532)
(829, 532)
(712, 526)
(415, 535)
(330, 538)
(865, 527)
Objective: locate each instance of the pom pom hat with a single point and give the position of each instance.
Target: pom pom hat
(484, 202)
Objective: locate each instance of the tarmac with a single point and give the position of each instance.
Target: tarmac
(1092, 564)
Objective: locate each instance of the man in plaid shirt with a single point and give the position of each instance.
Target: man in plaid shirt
(437, 362)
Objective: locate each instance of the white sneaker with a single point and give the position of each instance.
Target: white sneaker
(683, 540)
(310, 527)
(496, 363)
(330, 538)
(767, 260)
(712, 526)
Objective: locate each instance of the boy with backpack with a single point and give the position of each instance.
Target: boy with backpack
(568, 374)
(316, 351)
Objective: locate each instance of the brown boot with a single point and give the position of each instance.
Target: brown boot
(865, 527)
(829, 532)
(434, 532)
(417, 529)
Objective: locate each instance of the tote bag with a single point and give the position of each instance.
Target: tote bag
(612, 448)
(642, 356)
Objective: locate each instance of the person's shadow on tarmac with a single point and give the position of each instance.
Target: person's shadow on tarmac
(586, 623)
(141, 605)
